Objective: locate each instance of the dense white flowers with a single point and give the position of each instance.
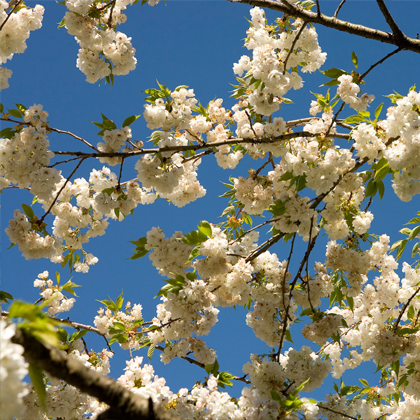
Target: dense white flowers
(12, 370)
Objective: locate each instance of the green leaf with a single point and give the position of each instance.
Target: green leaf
(178, 88)
(173, 286)
(7, 133)
(354, 59)
(381, 173)
(194, 238)
(15, 113)
(381, 189)
(333, 82)
(371, 188)
(21, 108)
(353, 119)
(224, 379)
(205, 228)
(79, 334)
(415, 250)
(37, 379)
(28, 211)
(5, 297)
(139, 254)
(378, 111)
(347, 390)
(194, 253)
(1, 108)
(414, 220)
(286, 176)
(410, 313)
(120, 301)
(107, 123)
(68, 287)
(278, 208)
(57, 277)
(150, 351)
(301, 386)
(414, 232)
(364, 382)
(334, 73)
(395, 366)
(129, 120)
(401, 248)
(21, 309)
(275, 396)
(288, 336)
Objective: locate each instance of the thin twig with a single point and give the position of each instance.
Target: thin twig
(59, 192)
(379, 62)
(110, 14)
(264, 246)
(293, 46)
(250, 123)
(336, 412)
(292, 286)
(404, 308)
(255, 228)
(262, 167)
(119, 177)
(63, 161)
(334, 119)
(231, 141)
(285, 322)
(398, 34)
(203, 366)
(10, 14)
(339, 7)
(341, 335)
(318, 9)
(307, 268)
(56, 130)
(359, 163)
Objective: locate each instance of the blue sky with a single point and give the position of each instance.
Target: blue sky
(192, 43)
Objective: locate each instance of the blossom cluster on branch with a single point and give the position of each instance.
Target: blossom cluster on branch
(316, 175)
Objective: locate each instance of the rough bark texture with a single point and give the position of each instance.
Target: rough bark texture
(124, 405)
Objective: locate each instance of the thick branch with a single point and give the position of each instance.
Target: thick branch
(406, 43)
(124, 403)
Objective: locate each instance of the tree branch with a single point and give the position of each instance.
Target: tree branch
(237, 140)
(125, 405)
(379, 62)
(405, 43)
(399, 35)
(339, 7)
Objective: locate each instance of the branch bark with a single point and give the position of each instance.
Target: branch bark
(402, 41)
(124, 404)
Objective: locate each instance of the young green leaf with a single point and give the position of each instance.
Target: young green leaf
(354, 59)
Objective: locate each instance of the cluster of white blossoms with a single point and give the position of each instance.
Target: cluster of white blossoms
(12, 370)
(122, 324)
(270, 50)
(53, 295)
(5, 75)
(62, 399)
(15, 32)
(349, 91)
(25, 157)
(369, 317)
(103, 50)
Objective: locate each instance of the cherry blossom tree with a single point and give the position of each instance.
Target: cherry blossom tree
(312, 176)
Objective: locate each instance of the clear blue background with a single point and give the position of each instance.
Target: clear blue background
(193, 43)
